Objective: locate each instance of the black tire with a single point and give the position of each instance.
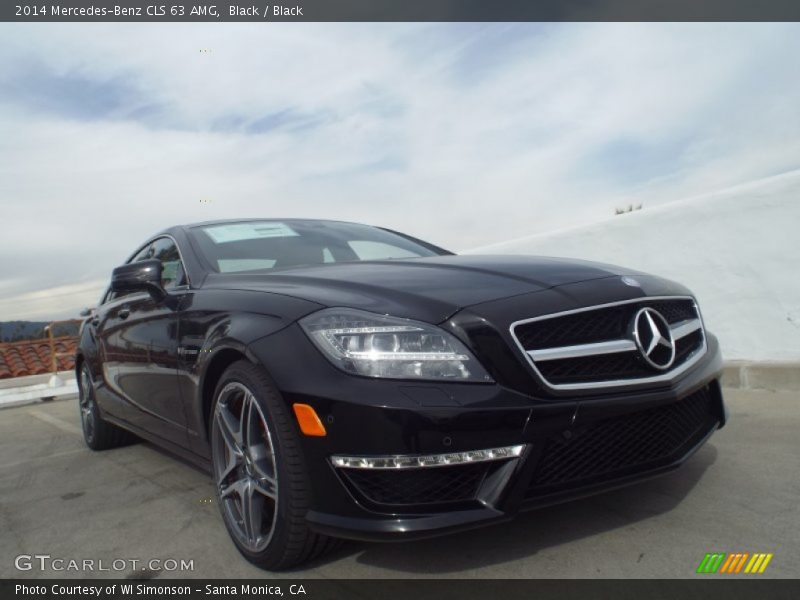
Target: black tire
(97, 433)
(290, 541)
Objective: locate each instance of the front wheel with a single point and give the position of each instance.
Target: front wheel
(259, 472)
(97, 433)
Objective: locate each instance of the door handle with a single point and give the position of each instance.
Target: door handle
(96, 320)
(124, 313)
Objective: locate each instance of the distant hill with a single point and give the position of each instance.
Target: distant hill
(15, 331)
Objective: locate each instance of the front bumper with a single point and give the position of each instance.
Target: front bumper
(565, 440)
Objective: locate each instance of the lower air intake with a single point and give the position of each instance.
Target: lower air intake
(618, 446)
(438, 485)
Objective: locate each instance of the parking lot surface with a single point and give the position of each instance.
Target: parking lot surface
(739, 493)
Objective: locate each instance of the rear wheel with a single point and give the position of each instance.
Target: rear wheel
(260, 475)
(97, 433)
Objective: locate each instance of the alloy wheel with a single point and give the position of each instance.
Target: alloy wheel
(86, 402)
(245, 471)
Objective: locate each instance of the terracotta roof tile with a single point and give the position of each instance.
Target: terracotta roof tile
(32, 357)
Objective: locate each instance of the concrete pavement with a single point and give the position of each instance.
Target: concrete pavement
(739, 493)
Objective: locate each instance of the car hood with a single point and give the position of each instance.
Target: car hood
(428, 289)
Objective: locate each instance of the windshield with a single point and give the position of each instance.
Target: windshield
(259, 245)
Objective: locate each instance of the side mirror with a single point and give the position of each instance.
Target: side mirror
(141, 276)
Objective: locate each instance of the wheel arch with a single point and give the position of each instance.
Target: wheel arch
(217, 364)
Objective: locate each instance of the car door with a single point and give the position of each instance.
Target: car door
(140, 335)
(108, 324)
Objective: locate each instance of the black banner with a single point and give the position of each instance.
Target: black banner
(390, 589)
(401, 10)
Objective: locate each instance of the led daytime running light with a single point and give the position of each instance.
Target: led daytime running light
(416, 461)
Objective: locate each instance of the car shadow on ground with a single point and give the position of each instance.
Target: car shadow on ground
(533, 531)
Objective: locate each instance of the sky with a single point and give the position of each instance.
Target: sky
(460, 134)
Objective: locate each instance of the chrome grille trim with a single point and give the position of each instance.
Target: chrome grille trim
(684, 328)
(583, 350)
(679, 331)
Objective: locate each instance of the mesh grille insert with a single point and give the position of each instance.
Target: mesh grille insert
(434, 485)
(614, 446)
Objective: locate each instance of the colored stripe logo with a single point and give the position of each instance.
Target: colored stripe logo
(734, 563)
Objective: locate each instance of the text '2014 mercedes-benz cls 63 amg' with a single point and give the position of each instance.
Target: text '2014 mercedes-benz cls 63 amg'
(341, 380)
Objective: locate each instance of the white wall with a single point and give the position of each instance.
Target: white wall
(738, 250)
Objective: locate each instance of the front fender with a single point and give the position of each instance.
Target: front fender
(215, 329)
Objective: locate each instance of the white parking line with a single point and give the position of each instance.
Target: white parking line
(55, 422)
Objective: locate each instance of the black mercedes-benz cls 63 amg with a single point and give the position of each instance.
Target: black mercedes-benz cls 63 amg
(347, 381)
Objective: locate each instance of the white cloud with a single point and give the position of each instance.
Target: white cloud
(53, 303)
(463, 135)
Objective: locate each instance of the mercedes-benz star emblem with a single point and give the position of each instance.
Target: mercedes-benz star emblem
(653, 338)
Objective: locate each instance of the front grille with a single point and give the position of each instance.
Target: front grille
(567, 349)
(685, 346)
(436, 485)
(590, 369)
(596, 325)
(674, 311)
(617, 446)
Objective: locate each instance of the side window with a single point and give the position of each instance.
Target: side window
(165, 250)
(143, 254)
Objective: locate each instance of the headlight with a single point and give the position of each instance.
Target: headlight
(368, 344)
